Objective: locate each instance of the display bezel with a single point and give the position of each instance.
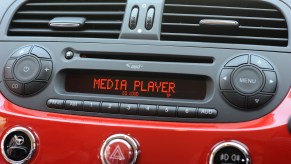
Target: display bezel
(187, 84)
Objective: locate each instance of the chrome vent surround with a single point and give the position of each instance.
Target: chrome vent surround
(103, 18)
(259, 22)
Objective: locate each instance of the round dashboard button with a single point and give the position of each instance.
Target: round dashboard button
(232, 152)
(118, 151)
(119, 148)
(18, 145)
(247, 79)
(26, 69)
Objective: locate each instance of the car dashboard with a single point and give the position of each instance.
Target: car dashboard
(145, 81)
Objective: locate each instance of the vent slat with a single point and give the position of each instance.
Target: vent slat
(103, 18)
(69, 13)
(256, 22)
(29, 21)
(264, 28)
(222, 17)
(75, 4)
(225, 36)
(219, 7)
(68, 32)
(242, 27)
(47, 21)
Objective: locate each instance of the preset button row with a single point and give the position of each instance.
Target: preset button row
(132, 109)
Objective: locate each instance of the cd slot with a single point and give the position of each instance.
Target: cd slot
(150, 57)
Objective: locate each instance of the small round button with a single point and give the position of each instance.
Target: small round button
(119, 148)
(26, 69)
(247, 79)
(230, 152)
(18, 145)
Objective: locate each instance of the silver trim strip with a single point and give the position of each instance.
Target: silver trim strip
(32, 141)
(217, 22)
(134, 144)
(234, 144)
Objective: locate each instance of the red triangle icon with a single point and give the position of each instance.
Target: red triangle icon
(117, 154)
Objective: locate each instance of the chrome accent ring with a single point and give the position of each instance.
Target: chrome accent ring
(133, 143)
(32, 144)
(234, 144)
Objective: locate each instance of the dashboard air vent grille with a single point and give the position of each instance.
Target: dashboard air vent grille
(103, 18)
(253, 22)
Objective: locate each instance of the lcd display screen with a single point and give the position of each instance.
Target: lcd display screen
(137, 84)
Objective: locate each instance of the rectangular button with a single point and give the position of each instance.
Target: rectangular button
(74, 105)
(46, 70)
(207, 113)
(15, 86)
(108, 107)
(8, 69)
(187, 112)
(147, 110)
(167, 111)
(91, 106)
(56, 103)
(128, 109)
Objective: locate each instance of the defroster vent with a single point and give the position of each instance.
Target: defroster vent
(101, 18)
(224, 21)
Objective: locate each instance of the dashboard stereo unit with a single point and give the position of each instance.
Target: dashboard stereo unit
(147, 86)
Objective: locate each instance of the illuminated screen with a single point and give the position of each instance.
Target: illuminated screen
(137, 84)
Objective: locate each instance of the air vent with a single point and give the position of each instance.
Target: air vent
(103, 18)
(224, 21)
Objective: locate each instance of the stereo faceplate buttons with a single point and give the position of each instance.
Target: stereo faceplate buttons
(248, 81)
(28, 70)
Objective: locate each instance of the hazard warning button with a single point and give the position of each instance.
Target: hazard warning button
(119, 149)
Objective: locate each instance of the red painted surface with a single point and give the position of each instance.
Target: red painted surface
(78, 139)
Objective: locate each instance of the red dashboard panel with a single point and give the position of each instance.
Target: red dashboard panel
(78, 139)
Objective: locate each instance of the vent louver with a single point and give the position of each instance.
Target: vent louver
(259, 23)
(103, 18)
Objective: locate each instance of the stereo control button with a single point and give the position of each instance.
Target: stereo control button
(91, 106)
(40, 52)
(26, 69)
(130, 109)
(73, 105)
(187, 112)
(147, 110)
(206, 113)
(15, 86)
(108, 107)
(235, 99)
(243, 59)
(167, 111)
(23, 51)
(8, 69)
(258, 100)
(56, 103)
(46, 70)
(271, 82)
(260, 62)
(225, 79)
(247, 80)
(33, 87)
